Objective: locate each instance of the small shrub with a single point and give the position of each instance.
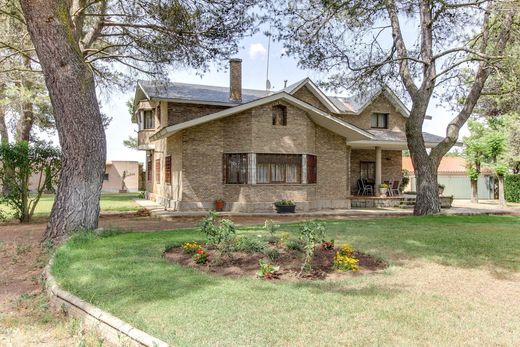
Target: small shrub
(272, 253)
(294, 245)
(267, 270)
(311, 234)
(345, 262)
(270, 226)
(191, 247)
(346, 249)
(284, 203)
(284, 237)
(221, 234)
(140, 195)
(327, 245)
(344, 259)
(249, 245)
(201, 257)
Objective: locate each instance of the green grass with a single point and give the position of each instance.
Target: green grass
(109, 202)
(126, 275)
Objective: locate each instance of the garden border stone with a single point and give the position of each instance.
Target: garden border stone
(113, 329)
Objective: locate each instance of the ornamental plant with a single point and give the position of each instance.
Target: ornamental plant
(327, 245)
(220, 234)
(344, 259)
(191, 247)
(284, 203)
(267, 270)
(270, 226)
(201, 256)
(311, 234)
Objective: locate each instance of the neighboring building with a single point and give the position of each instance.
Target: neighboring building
(113, 177)
(252, 147)
(453, 175)
(116, 170)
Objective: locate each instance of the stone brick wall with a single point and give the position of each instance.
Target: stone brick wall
(331, 151)
(179, 112)
(391, 165)
(297, 137)
(202, 148)
(396, 121)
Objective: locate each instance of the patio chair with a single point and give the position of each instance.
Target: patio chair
(366, 188)
(396, 188)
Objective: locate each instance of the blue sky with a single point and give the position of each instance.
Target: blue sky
(254, 61)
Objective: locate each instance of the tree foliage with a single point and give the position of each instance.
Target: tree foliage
(421, 47)
(18, 163)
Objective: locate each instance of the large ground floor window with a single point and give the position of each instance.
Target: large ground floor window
(262, 168)
(278, 168)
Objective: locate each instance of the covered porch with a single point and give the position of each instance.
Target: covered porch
(374, 164)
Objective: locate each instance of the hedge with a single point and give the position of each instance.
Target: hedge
(512, 188)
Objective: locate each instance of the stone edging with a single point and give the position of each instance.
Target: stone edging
(109, 327)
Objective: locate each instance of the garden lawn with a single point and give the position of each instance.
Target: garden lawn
(453, 280)
(109, 202)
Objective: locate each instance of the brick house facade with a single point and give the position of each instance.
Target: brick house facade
(251, 148)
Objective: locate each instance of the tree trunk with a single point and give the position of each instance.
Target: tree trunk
(71, 88)
(501, 195)
(427, 199)
(474, 191)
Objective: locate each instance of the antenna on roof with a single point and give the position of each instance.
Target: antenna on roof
(267, 82)
(284, 84)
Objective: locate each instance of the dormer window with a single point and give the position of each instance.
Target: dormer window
(279, 115)
(379, 121)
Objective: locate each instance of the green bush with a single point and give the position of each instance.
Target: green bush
(220, 234)
(294, 245)
(512, 188)
(272, 253)
(249, 245)
(311, 234)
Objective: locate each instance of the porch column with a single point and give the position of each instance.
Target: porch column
(378, 167)
(349, 186)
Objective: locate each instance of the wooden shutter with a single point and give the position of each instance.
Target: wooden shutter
(168, 169)
(149, 169)
(312, 169)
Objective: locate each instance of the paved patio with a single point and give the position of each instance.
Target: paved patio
(459, 207)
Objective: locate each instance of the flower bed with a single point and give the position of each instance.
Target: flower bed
(272, 254)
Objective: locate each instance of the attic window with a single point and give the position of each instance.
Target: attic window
(279, 115)
(379, 121)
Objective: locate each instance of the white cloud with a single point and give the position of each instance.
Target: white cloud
(257, 50)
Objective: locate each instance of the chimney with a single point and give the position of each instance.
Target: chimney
(235, 80)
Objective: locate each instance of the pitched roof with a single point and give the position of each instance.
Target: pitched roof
(163, 90)
(321, 118)
(186, 92)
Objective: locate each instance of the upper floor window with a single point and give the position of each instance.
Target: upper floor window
(149, 120)
(279, 115)
(235, 168)
(379, 120)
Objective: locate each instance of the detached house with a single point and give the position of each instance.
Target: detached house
(251, 147)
